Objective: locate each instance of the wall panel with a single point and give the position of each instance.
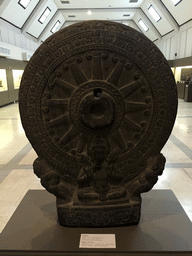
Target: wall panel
(18, 40)
(23, 42)
(11, 36)
(172, 48)
(167, 53)
(164, 47)
(4, 35)
(183, 44)
(180, 43)
(28, 44)
(189, 43)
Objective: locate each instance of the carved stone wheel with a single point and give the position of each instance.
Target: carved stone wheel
(102, 79)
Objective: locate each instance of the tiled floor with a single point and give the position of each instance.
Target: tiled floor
(16, 158)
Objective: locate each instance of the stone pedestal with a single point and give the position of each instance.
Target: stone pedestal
(164, 229)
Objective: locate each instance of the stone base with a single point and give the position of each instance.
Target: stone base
(164, 229)
(93, 216)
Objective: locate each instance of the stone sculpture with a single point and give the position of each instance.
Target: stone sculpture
(98, 102)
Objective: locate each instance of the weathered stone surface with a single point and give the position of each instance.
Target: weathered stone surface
(98, 102)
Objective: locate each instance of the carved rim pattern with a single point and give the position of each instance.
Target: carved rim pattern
(148, 95)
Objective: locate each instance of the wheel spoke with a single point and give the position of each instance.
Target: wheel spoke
(131, 124)
(58, 103)
(78, 74)
(134, 106)
(97, 69)
(64, 86)
(82, 142)
(64, 119)
(130, 88)
(70, 135)
(118, 138)
(114, 76)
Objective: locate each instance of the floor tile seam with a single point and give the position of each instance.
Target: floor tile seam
(187, 173)
(184, 116)
(187, 151)
(9, 118)
(22, 166)
(19, 156)
(178, 165)
(30, 166)
(14, 162)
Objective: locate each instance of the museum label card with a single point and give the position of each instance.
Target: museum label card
(97, 241)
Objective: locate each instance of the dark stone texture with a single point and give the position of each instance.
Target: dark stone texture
(98, 101)
(164, 229)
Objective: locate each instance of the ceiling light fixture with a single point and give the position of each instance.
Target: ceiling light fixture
(143, 25)
(89, 12)
(154, 13)
(176, 2)
(55, 26)
(24, 3)
(44, 15)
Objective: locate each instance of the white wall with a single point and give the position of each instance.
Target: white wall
(177, 42)
(11, 38)
(16, 52)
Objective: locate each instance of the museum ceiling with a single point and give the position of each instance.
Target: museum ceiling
(41, 18)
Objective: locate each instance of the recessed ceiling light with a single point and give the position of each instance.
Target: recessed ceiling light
(154, 13)
(24, 3)
(71, 16)
(89, 12)
(55, 26)
(143, 25)
(126, 15)
(176, 2)
(44, 15)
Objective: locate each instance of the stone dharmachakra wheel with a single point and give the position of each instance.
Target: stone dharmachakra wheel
(97, 78)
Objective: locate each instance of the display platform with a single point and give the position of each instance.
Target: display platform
(164, 229)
